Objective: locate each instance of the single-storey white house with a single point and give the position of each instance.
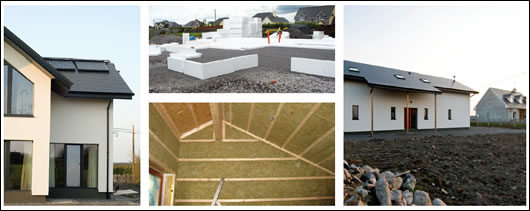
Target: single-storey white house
(498, 105)
(386, 99)
(57, 124)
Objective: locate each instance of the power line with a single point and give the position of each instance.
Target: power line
(523, 73)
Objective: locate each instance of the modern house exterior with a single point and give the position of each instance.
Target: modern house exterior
(322, 15)
(270, 18)
(498, 105)
(57, 124)
(386, 99)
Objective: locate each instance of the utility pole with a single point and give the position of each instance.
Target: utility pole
(133, 157)
(214, 15)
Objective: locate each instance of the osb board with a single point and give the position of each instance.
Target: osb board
(202, 112)
(248, 169)
(205, 133)
(162, 154)
(181, 116)
(290, 116)
(262, 116)
(314, 128)
(272, 203)
(159, 127)
(240, 112)
(256, 190)
(232, 133)
(321, 150)
(219, 149)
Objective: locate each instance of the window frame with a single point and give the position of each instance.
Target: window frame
(82, 184)
(392, 113)
(425, 113)
(9, 95)
(449, 114)
(353, 113)
(7, 144)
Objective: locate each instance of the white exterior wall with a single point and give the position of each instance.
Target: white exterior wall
(84, 121)
(491, 108)
(37, 128)
(358, 93)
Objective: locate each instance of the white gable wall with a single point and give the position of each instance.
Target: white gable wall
(459, 104)
(491, 108)
(84, 121)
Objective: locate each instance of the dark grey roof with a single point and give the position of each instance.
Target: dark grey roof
(193, 23)
(311, 12)
(93, 78)
(384, 77)
(220, 19)
(271, 17)
(518, 100)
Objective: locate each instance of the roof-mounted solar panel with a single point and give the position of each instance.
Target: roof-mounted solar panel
(96, 66)
(62, 64)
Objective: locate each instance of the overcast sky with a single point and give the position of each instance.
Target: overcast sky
(184, 14)
(75, 32)
(483, 46)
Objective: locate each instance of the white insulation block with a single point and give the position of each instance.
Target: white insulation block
(313, 66)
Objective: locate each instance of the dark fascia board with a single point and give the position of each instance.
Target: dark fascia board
(36, 57)
(457, 90)
(93, 95)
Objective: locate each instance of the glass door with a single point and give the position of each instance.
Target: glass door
(73, 165)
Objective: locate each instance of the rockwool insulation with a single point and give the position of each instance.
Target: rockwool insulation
(257, 169)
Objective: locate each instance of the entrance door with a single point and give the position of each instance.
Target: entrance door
(412, 120)
(73, 165)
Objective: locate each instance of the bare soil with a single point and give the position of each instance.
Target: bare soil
(474, 170)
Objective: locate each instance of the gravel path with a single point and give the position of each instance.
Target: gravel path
(426, 133)
(274, 65)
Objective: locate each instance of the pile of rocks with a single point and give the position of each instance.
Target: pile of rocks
(386, 188)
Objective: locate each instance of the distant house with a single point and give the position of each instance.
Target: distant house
(166, 24)
(193, 24)
(322, 15)
(498, 105)
(269, 17)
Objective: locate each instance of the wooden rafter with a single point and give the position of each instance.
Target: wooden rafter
(320, 139)
(217, 118)
(313, 198)
(326, 159)
(194, 117)
(234, 159)
(301, 124)
(194, 130)
(250, 115)
(274, 120)
(282, 149)
(167, 118)
(255, 179)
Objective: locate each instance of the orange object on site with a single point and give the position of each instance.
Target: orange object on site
(273, 82)
(268, 37)
(279, 36)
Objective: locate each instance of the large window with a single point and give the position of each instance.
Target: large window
(355, 112)
(18, 165)
(393, 113)
(18, 93)
(73, 165)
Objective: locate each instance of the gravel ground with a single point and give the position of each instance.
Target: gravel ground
(163, 39)
(274, 64)
(426, 133)
(473, 169)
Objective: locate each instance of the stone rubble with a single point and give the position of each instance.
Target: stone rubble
(386, 188)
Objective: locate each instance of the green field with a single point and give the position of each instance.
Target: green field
(514, 125)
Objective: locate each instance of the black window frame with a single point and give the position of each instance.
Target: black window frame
(82, 184)
(426, 114)
(354, 107)
(449, 114)
(7, 163)
(9, 95)
(392, 113)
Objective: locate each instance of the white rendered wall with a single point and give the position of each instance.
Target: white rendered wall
(459, 104)
(37, 128)
(356, 93)
(84, 121)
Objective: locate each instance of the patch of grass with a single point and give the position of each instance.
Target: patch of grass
(513, 125)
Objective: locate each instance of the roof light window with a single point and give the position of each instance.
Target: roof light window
(354, 69)
(425, 80)
(398, 76)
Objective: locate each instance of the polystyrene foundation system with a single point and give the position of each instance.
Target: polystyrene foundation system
(318, 67)
(212, 69)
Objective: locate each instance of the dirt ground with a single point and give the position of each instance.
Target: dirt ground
(274, 64)
(474, 169)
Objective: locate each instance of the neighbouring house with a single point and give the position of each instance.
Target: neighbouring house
(322, 15)
(498, 105)
(193, 24)
(270, 18)
(58, 123)
(385, 99)
(266, 154)
(166, 24)
(218, 22)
